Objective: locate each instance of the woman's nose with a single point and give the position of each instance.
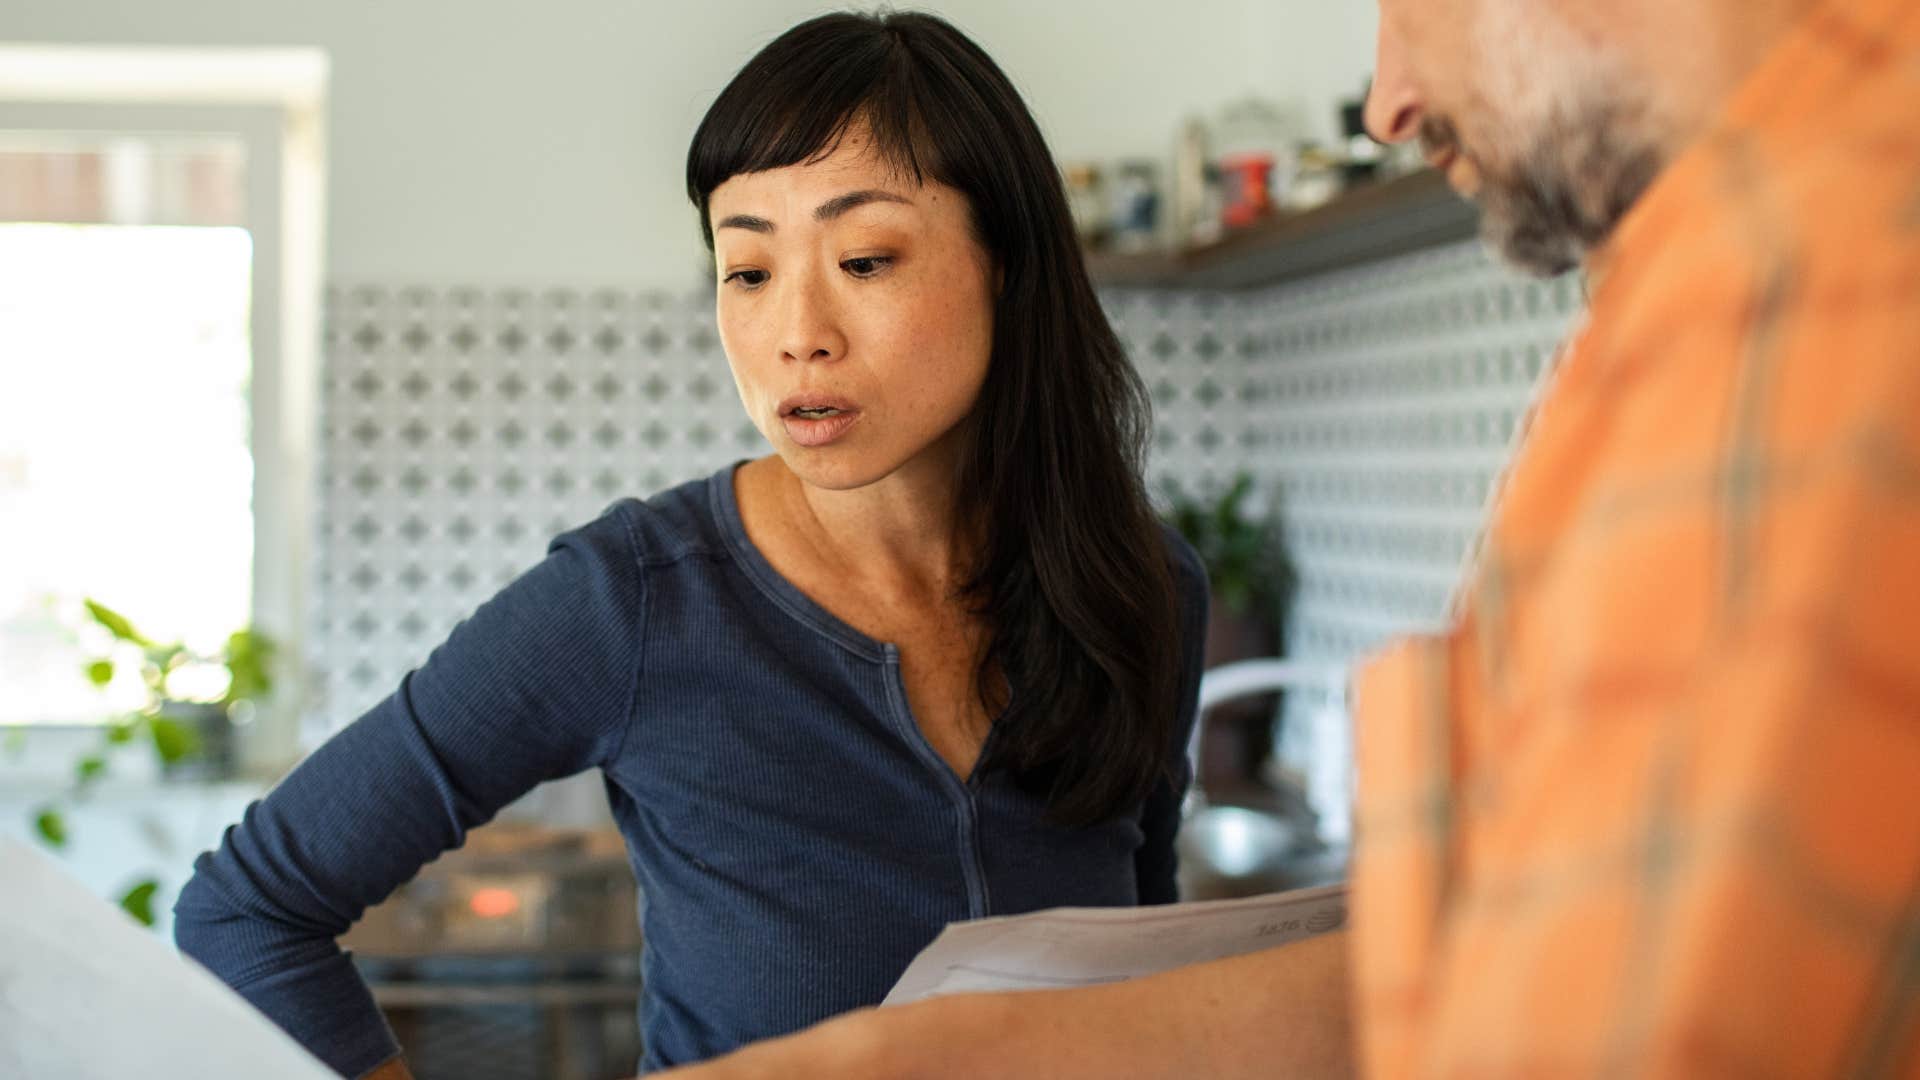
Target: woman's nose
(810, 327)
(1394, 108)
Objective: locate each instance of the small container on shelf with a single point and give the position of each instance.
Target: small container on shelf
(1363, 155)
(1257, 139)
(1136, 206)
(1087, 201)
(1246, 177)
(1198, 188)
(1315, 182)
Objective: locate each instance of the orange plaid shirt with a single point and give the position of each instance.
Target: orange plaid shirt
(1651, 806)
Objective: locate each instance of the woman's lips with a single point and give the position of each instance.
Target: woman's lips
(810, 432)
(817, 417)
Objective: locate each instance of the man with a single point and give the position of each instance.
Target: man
(1651, 805)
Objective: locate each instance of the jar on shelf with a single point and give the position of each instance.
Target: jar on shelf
(1251, 131)
(1363, 155)
(1087, 202)
(1317, 180)
(1248, 198)
(1136, 206)
(1198, 189)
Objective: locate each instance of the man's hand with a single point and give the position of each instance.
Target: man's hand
(847, 1047)
(394, 1069)
(1279, 1012)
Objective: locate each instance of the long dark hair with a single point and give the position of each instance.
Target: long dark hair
(1073, 578)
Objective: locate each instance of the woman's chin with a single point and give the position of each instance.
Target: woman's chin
(830, 468)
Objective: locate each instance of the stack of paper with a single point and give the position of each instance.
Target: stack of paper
(1083, 946)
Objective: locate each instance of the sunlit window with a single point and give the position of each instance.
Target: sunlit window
(125, 469)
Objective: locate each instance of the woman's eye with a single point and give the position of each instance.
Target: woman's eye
(751, 279)
(866, 265)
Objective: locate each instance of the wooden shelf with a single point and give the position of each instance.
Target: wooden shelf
(1375, 221)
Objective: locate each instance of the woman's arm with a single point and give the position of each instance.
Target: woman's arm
(1282, 1012)
(536, 685)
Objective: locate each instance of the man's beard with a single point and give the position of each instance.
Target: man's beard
(1565, 192)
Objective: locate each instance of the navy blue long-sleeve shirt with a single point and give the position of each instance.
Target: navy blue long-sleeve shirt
(795, 838)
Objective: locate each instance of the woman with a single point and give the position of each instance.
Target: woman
(932, 660)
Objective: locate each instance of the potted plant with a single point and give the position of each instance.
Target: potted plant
(189, 728)
(1251, 580)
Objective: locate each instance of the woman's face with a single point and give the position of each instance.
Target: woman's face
(856, 310)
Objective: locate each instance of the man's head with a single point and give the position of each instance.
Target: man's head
(1540, 110)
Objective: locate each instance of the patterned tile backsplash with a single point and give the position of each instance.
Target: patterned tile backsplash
(463, 428)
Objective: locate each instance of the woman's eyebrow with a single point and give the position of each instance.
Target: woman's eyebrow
(840, 204)
(744, 221)
(826, 211)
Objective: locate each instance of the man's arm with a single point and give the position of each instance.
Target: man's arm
(394, 1068)
(1282, 1012)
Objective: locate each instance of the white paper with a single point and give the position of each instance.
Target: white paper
(1067, 947)
(86, 993)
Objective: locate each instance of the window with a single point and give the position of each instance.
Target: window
(126, 471)
(160, 262)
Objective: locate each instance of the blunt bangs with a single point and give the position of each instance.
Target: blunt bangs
(798, 99)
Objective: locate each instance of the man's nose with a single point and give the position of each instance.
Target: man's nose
(1394, 109)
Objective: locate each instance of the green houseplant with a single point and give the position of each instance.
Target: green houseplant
(1247, 566)
(1251, 580)
(190, 733)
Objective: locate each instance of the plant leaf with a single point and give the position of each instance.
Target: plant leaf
(51, 826)
(117, 624)
(89, 769)
(100, 672)
(167, 657)
(161, 660)
(138, 901)
(1245, 557)
(174, 738)
(122, 733)
(249, 657)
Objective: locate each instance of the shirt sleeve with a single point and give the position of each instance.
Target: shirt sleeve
(1157, 862)
(536, 685)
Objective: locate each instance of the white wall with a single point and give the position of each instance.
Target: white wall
(494, 142)
(1318, 52)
